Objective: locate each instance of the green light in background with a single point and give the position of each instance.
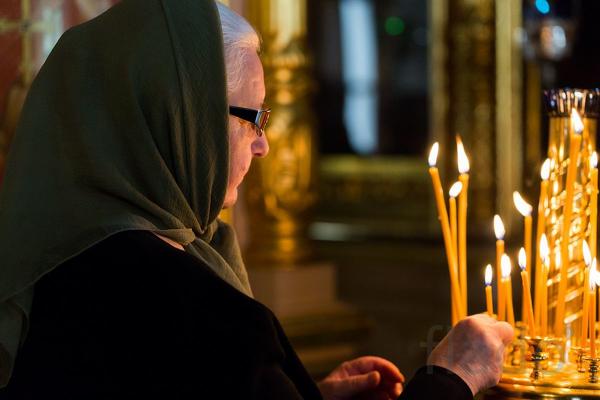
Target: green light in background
(394, 26)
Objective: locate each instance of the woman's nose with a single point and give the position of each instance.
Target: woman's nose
(260, 147)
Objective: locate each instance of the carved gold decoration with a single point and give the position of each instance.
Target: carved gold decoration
(281, 188)
(559, 366)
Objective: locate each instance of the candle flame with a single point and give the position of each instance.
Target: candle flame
(545, 173)
(433, 154)
(594, 160)
(499, 227)
(463, 160)
(558, 258)
(587, 254)
(523, 207)
(576, 121)
(544, 249)
(505, 266)
(455, 189)
(488, 275)
(522, 259)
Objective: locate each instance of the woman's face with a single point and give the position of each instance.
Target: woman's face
(244, 143)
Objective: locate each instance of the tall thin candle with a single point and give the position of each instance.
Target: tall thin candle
(587, 257)
(443, 217)
(574, 148)
(527, 317)
(593, 284)
(488, 290)
(453, 193)
(541, 226)
(506, 270)
(525, 210)
(594, 204)
(463, 169)
(545, 256)
(501, 300)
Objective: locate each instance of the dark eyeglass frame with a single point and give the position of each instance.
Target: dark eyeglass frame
(258, 118)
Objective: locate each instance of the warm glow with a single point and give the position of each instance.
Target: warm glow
(594, 160)
(522, 259)
(433, 154)
(506, 266)
(587, 254)
(463, 160)
(558, 258)
(488, 275)
(499, 227)
(576, 121)
(523, 207)
(545, 173)
(544, 249)
(455, 189)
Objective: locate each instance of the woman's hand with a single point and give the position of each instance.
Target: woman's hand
(368, 378)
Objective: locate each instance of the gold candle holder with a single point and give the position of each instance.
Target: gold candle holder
(580, 354)
(559, 104)
(556, 364)
(537, 355)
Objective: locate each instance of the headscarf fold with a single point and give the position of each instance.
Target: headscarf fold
(124, 128)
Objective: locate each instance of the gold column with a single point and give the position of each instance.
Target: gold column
(471, 99)
(509, 148)
(280, 189)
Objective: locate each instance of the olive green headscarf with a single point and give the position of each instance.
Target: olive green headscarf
(124, 128)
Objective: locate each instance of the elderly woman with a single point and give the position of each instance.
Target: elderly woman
(117, 280)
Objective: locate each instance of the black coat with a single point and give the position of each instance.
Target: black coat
(132, 317)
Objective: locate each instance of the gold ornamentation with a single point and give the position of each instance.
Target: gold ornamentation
(281, 189)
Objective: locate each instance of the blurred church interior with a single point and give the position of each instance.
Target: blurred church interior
(348, 251)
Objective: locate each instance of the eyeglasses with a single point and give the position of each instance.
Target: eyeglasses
(258, 118)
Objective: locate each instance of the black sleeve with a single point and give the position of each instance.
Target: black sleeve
(433, 382)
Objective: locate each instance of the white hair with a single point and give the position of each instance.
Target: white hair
(238, 37)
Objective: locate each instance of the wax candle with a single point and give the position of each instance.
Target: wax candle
(587, 258)
(594, 203)
(506, 270)
(545, 255)
(528, 316)
(541, 226)
(574, 148)
(593, 284)
(488, 290)
(501, 300)
(453, 193)
(525, 210)
(463, 169)
(443, 217)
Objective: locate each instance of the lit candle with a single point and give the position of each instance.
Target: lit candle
(443, 217)
(594, 203)
(587, 258)
(593, 284)
(541, 226)
(453, 193)
(528, 317)
(506, 270)
(463, 169)
(488, 290)
(545, 255)
(501, 301)
(574, 147)
(525, 210)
